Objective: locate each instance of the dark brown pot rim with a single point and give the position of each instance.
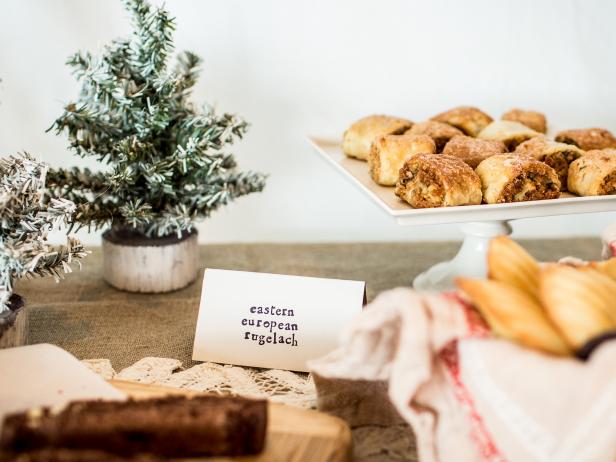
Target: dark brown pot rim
(130, 238)
(8, 318)
(16, 303)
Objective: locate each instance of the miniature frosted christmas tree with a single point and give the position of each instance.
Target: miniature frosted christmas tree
(167, 159)
(27, 215)
(167, 163)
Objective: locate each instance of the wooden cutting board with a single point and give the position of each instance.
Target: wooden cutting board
(293, 434)
(45, 375)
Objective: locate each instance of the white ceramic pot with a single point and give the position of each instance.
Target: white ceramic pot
(135, 263)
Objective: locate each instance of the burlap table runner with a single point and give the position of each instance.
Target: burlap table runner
(92, 320)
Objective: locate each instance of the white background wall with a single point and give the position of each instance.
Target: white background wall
(292, 68)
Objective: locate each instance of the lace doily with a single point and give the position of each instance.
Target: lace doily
(371, 443)
(277, 385)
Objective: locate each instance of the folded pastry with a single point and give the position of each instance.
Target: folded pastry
(471, 150)
(532, 119)
(358, 138)
(440, 132)
(588, 138)
(510, 133)
(514, 178)
(556, 155)
(466, 118)
(433, 180)
(593, 174)
(389, 152)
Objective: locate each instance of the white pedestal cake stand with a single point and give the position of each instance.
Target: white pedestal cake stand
(479, 223)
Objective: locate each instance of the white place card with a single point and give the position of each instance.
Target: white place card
(272, 320)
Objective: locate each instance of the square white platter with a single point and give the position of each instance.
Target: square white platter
(356, 171)
(479, 223)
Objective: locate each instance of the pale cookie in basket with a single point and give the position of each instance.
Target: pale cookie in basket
(509, 263)
(513, 178)
(389, 152)
(440, 132)
(587, 138)
(510, 133)
(514, 314)
(357, 140)
(466, 118)
(579, 301)
(607, 267)
(532, 119)
(575, 299)
(471, 150)
(436, 180)
(557, 155)
(593, 174)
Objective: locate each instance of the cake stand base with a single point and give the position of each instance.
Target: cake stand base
(470, 260)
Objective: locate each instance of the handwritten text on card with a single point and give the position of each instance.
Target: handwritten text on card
(272, 320)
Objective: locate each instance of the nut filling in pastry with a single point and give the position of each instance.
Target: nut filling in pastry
(556, 155)
(432, 180)
(593, 174)
(425, 189)
(528, 186)
(559, 163)
(513, 178)
(608, 184)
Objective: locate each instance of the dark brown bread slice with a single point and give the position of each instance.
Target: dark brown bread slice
(74, 455)
(171, 427)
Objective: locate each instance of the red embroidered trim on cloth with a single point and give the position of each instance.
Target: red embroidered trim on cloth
(477, 328)
(475, 324)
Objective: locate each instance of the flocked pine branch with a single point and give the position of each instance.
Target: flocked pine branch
(26, 217)
(167, 161)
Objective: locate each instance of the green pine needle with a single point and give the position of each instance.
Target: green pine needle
(26, 217)
(168, 163)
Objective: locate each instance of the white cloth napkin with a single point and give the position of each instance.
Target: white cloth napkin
(429, 360)
(608, 236)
